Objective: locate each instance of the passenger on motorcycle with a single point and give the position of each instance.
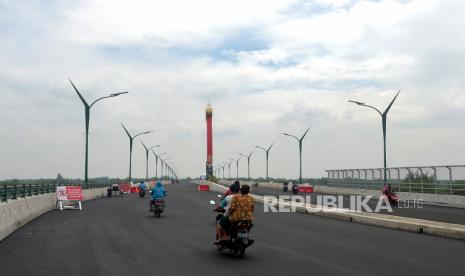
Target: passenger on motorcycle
(228, 191)
(224, 224)
(157, 192)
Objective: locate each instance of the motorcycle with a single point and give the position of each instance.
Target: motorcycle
(239, 236)
(141, 192)
(158, 206)
(113, 189)
(239, 239)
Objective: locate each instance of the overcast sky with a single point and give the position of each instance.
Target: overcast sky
(267, 67)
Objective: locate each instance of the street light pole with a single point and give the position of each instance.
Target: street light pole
(237, 167)
(147, 159)
(161, 167)
(224, 165)
(248, 163)
(172, 166)
(383, 121)
(229, 168)
(156, 163)
(131, 139)
(87, 108)
(168, 169)
(163, 164)
(267, 151)
(300, 150)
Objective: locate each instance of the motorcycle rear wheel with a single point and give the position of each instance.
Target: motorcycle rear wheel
(239, 253)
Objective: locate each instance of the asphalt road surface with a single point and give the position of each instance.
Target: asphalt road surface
(428, 212)
(118, 236)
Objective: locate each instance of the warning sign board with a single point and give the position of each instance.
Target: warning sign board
(69, 193)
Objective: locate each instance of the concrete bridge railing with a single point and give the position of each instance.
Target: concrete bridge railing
(16, 213)
(427, 198)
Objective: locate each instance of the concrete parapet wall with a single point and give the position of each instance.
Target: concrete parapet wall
(429, 199)
(16, 213)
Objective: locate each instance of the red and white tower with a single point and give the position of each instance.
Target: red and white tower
(209, 166)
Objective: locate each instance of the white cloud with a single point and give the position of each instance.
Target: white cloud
(310, 58)
(167, 23)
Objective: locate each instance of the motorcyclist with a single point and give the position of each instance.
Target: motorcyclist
(285, 186)
(387, 190)
(228, 191)
(157, 192)
(295, 188)
(224, 223)
(142, 186)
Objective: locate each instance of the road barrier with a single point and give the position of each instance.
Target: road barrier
(203, 187)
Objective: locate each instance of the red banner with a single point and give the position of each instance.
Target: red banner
(306, 188)
(124, 187)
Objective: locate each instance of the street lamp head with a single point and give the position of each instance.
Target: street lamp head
(155, 146)
(290, 135)
(117, 94)
(355, 102)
